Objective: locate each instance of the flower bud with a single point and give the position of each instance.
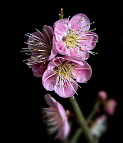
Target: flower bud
(109, 106)
(102, 95)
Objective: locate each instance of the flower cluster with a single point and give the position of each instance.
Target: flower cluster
(74, 40)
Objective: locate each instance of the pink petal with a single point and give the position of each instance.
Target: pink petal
(74, 59)
(63, 130)
(66, 128)
(48, 33)
(60, 28)
(61, 110)
(61, 47)
(38, 69)
(64, 92)
(83, 74)
(53, 52)
(80, 54)
(48, 80)
(50, 100)
(75, 19)
(91, 42)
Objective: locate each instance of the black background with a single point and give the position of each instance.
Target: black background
(23, 94)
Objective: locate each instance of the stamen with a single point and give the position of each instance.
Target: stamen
(92, 52)
(48, 35)
(73, 88)
(59, 61)
(81, 39)
(42, 35)
(68, 25)
(79, 74)
(92, 22)
(78, 22)
(63, 88)
(92, 29)
(76, 52)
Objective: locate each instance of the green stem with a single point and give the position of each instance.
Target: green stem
(80, 130)
(80, 119)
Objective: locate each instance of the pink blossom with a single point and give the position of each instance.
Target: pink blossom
(110, 106)
(63, 73)
(56, 118)
(42, 50)
(102, 95)
(98, 126)
(73, 38)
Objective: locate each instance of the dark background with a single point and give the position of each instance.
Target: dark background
(22, 94)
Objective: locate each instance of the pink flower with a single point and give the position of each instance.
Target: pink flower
(42, 50)
(63, 73)
(102, 95)
(110, 106)
(56, 118)
(73, 38)
(98, 126)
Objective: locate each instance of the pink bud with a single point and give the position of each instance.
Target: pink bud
(102, 95)
(109, 106)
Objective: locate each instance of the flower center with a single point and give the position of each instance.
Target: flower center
(70, 39)
(64, 71)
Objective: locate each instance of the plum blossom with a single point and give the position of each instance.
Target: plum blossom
(110, 106)
(57, 118)
(41, 48)
(98, 126)
(63, 73)
(73, 37)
